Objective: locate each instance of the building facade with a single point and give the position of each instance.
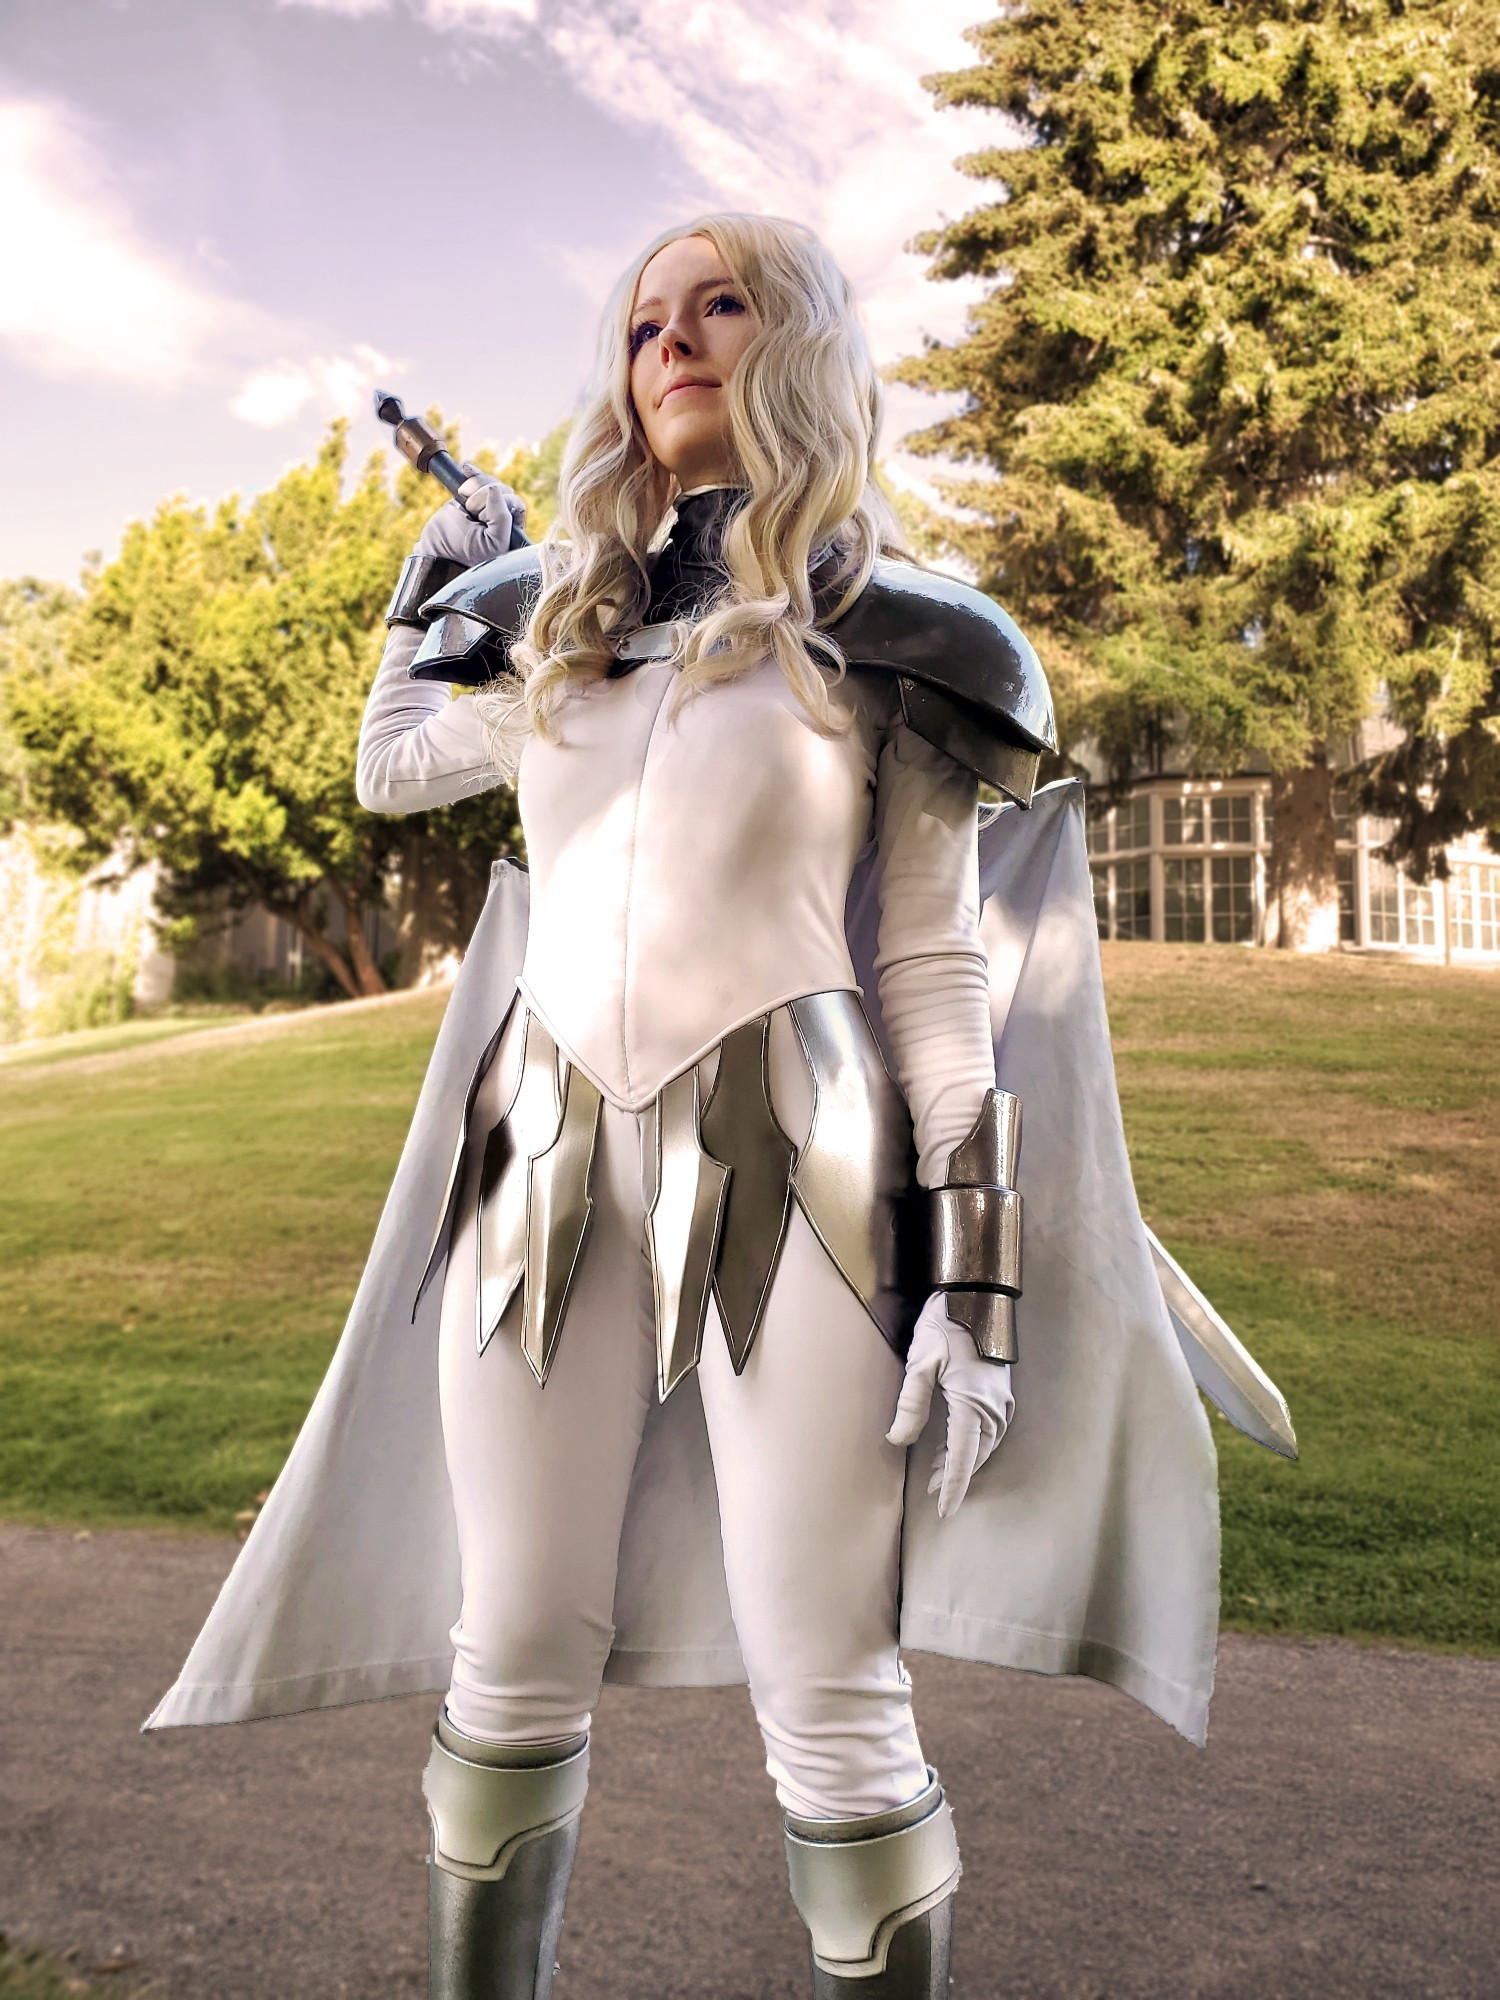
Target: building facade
(1187, 861)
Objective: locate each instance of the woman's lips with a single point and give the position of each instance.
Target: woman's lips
(675, 387)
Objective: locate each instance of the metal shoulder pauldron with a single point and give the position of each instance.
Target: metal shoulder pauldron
(969, 679)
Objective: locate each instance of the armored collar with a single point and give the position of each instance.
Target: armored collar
(969, 680)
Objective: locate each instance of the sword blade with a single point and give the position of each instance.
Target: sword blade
(1223, 1367)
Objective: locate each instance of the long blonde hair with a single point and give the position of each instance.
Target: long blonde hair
(804, 413)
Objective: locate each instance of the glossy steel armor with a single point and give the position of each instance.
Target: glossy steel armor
(969, 680)
(726, 1177)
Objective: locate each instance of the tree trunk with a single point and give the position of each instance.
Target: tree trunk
(366, 971)
(1304, 865)
(441, 894)
(319, 945)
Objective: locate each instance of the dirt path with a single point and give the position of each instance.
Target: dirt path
(28, 1059)
(1336, 1840)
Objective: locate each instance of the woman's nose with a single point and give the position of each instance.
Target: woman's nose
(674, 344)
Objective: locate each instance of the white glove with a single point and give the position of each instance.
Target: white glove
(476, 526)
(978, 1394)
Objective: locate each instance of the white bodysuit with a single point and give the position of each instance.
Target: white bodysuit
(688, 874)
(689, 871)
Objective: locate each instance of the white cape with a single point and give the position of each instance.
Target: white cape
(1087, 1545)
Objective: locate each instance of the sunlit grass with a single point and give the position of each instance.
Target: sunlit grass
(1318, 1140)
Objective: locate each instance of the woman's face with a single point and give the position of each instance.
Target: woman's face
(689, 326)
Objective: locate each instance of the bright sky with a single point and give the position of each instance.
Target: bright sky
(221, 223)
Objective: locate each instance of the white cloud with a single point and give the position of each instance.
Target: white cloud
(85, 292)
(485, 15)
(340, 384)
(810, 108)
(89, 295)
(352, 10)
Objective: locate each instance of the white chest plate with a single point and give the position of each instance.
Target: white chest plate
(688, 871)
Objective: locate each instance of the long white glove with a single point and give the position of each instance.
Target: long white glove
(476, 526)
(978, 1394)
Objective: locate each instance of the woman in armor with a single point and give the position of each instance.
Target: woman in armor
(709, 1204)
(698, 769)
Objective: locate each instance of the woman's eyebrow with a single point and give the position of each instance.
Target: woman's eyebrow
(703, 285)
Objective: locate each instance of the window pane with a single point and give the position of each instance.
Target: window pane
(1229, 818)
(1348, 915)
(1182, 822)
(1101, 899)
(1097, 827)
(1182, 882)
(1234, 898)
(1133, 899)
(1133, 824)
(1343, 814)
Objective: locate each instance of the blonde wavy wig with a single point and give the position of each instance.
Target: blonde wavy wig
(804, 411)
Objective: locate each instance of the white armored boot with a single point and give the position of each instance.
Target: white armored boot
(504, 1833)
(876, 1895)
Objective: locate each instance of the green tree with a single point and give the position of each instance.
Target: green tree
(1237, 368)
(205, 709)
(33, 621)
(533, 470)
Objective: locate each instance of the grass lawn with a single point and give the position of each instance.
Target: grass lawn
(130, 1034)
(1318, 1140)
(29, 1974)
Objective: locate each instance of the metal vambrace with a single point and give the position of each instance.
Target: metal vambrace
(976, 1229)
(484, 1810)
(856, 1882)
(421, 577)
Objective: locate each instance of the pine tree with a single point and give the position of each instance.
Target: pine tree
(1237, 368)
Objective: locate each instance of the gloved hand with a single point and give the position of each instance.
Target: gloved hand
(475, 526)
(978, 1394)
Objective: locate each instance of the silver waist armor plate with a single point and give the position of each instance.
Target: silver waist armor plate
(725, 1177)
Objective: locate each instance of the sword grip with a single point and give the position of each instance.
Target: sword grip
(420, 446)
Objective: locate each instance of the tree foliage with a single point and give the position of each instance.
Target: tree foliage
(1237, 368)
(33, 621)
(204, 710)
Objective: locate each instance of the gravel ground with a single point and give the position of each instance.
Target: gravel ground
(1338, 1837)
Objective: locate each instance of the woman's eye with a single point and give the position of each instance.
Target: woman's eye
(725, 302)
(639, 335)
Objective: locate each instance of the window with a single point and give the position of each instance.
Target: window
(1229, 818)
(1233, 887)
(1474, 898)
(1132, 899)
(1421, 915)
(1133, 824)
(1182, 822)
(1182, 883)
(1385, 902)
(1401, 913)
(1100, 878)
(1097, 829)
(1344, 827)
(1348, 914)
(1487, 908)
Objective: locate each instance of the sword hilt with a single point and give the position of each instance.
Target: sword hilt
(420, 445)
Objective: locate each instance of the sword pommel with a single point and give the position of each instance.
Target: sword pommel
(418, 443)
